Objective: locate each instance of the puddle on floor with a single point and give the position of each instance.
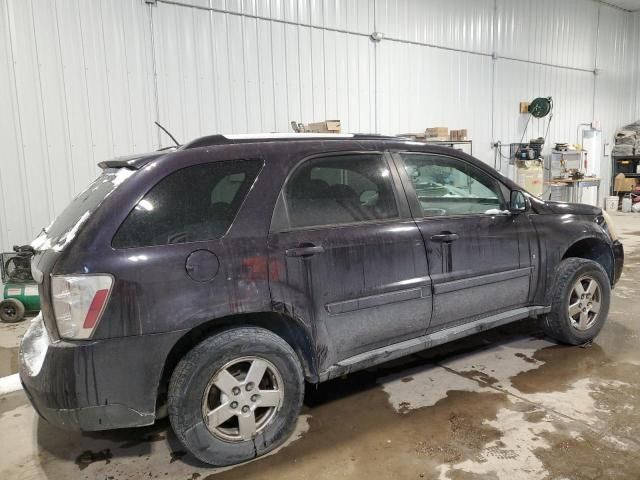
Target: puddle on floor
(356, 433)
(586, 457)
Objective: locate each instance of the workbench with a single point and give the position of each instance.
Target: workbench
(575, 186)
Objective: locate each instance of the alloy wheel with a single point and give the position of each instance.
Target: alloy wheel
(584, 302)
(242, 398)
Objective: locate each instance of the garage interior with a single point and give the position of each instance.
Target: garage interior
(547, 92)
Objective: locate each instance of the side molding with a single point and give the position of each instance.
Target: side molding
(397, 350)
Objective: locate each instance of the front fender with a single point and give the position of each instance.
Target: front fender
(561, 236)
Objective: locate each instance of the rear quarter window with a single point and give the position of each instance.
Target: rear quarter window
(192, 204)
(66, 226)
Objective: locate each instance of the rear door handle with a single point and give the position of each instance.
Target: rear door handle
(445, 237)
(305, 250)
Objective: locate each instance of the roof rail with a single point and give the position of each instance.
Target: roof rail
(206, 141)
(219, 139)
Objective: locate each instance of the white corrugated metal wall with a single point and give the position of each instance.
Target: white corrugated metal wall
(83, 80)
(635, 70)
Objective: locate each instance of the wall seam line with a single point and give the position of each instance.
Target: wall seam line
(86, 87)
(16, 114)
(44, 123)
(66, 104)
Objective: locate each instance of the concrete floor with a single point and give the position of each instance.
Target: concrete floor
(506, 404)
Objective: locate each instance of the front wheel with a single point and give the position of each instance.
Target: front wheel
(236, 396)
(580, 302)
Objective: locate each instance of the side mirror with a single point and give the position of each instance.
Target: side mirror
(517, 202)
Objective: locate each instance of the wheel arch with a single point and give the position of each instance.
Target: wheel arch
(596, 249)
(289, 329)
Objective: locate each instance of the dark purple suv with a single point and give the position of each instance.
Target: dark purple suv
(217, 278)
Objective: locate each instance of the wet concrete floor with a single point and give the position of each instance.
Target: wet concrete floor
(10, 335)
(505, 404)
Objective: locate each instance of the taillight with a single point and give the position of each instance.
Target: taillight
(78, 303)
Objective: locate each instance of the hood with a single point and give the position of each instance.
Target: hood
(551, 207)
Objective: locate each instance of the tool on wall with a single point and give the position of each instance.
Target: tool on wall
(538, 108)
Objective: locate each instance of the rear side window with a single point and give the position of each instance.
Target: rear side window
(193, 204)
(65, 227)
(340, 189)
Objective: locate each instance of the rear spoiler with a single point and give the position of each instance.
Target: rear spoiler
(134, 162)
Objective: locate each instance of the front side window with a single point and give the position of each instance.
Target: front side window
(448, 186)
(340, 189)
(193, 204)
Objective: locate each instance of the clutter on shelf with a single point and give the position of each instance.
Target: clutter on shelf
(631, 203)
(326, 126)
(627, 140)
(439, 134)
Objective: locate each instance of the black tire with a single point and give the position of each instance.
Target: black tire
(191, 379)
(11, 310)
(558, 323)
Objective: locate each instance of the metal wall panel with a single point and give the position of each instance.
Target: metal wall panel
(615, 95)
(80, 85)
(420, 86)
(617, 55)
(617, 99)
(460, 24)
(238, 74)
(74, 92)
(548, 31)
(635, 64)
(348, 15)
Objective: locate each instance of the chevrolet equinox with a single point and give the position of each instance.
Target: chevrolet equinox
(215, 280)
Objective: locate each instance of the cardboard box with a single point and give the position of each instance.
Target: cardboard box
(530, 176)
(624, 184)
(333, 125)
(437, 133)
(458, 135)
(328, 126)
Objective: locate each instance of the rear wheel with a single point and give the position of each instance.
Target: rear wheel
(236, 396)
(580, 304)
(11, 310)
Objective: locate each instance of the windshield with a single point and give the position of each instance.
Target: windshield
(65, 227)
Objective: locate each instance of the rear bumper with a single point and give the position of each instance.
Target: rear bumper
(103, 417)
(93, 385)
(618, 256)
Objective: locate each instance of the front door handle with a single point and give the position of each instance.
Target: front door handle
(304, 250)
(446, 237)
